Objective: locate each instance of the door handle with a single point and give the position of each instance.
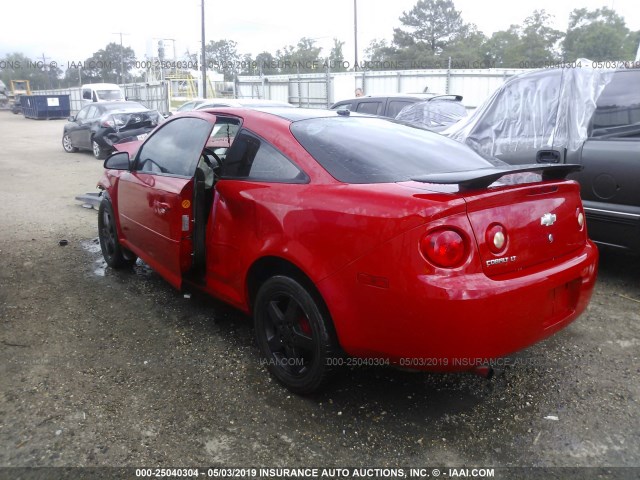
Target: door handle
(162, 208)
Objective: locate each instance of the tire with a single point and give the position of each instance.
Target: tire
(295, 335)
(67, 145)
(114, 254)
(98, 151)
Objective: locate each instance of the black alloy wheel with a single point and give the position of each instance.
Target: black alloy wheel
(114, 254)
(295, 335)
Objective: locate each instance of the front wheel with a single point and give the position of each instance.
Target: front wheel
(114, 254)
(67, 145)
(98, 151)
(295, 335)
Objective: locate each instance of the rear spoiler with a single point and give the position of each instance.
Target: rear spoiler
(457, 98)
(483, 177)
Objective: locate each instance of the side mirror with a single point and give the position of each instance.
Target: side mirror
(72, 118)
(118, 161)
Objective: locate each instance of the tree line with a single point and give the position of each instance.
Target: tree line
(433, 31)
(432, 34)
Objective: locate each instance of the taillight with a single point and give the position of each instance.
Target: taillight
(580, 218)
(496, 238)
(444, 248)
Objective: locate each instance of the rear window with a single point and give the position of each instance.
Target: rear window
(376, 150)
(372, 108)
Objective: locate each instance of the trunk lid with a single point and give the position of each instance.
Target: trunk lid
(540, 219)
(541, 223)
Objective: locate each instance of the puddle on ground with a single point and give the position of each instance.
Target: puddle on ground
(91, 246)
(100, 267)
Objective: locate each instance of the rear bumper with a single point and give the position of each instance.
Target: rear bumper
(445, 323)
(107, 138)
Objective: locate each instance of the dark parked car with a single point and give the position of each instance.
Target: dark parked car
(99, 126)
(575, 115)
(389, 105)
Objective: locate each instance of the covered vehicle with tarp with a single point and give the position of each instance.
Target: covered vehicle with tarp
(578, 114)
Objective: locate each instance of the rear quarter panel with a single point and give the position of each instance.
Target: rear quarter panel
(320, 229)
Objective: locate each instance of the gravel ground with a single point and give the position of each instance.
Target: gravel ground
(106, 368)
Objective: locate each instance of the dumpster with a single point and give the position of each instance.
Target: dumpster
(45, 106)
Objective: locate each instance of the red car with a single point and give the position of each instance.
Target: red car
(347, 234)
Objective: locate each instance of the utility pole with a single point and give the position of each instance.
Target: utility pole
(121, 56)
(173, 40)
(44, 69)
(204, 59)
(355, 31)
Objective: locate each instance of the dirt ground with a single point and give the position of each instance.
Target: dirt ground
(105, 368)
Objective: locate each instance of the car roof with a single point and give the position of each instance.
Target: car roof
(286, 113)
(413, 96)
(244, 102)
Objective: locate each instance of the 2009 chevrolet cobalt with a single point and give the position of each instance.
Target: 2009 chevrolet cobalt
(346, 234)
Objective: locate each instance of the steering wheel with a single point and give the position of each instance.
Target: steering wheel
(209, 152)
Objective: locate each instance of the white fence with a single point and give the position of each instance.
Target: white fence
(322, 89)
(325, 88)
(152, 96)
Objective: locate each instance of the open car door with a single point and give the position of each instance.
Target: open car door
(157, 199)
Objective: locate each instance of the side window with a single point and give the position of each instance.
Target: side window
(222, 136)
(372, 108)
(86, 94)
(252, 158)
(82, 114)
(618, 108)
(394, 107)
(92, 112)
(175, 148)
(344, 106)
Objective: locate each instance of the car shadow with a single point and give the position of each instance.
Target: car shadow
(620, 268)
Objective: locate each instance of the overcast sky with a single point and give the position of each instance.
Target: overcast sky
(71, 30)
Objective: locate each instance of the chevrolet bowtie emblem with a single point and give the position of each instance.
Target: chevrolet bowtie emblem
(548, 219)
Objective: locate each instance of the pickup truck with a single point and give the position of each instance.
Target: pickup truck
(583, 116)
